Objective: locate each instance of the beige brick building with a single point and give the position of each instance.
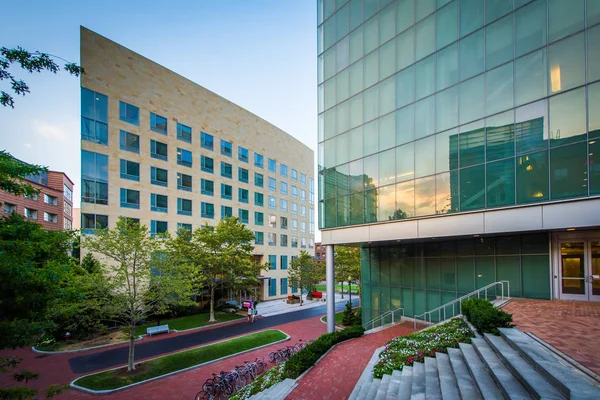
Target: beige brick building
(160, 148)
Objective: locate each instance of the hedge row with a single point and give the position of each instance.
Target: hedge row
(485, 317)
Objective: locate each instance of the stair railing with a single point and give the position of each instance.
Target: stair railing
(480, 293)
(396, 315)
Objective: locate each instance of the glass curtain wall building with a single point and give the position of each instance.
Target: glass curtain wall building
(446, 119)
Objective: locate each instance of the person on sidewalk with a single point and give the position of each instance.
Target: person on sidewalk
(254, 314)
(250, 314)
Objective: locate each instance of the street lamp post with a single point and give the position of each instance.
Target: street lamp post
(350, 290)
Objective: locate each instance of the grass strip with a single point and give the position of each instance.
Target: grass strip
(191, 321)
(338, 287)
(339, 316)
(115, 379)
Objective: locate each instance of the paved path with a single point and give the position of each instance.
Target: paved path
(117, 356)
(570, 326)
(275, 307)
(335, 376)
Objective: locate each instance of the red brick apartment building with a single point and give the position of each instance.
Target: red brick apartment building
(52, 207)
(319, 252)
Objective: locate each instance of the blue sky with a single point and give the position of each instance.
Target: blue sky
(260, 54)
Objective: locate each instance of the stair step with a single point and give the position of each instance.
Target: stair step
(565, 377)
(364, 390)
(418, 382)
(405, 383)
(448, 387)
(394, 386)
(355, 392)
(507, 382)
(432, 382)
(533, 381)
(481, 374)
(373, 389)
(383, 387)
(466, 386)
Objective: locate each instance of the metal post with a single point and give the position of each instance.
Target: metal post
(502, 285)
(486, 293)
(508, 289)
(330, 292)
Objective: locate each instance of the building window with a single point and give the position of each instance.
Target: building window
(272, 184)
(284, 261)
(258, 179)
(243, 215)
(312, 190)
(184, 206)
(283, 205)
(158, 150)
(207, 187)
(283, 283)
(272, 239)
(90, 222)
(184, 182)
(294, 175)
(94, 178)
(272, 262)
(259, 160)
(130, 198)
(303, 179)
(68, 208)
(283, 221)
(294, 192)
(9, 208)
(312, 220)
(50, 200)
(158, 123)
(302, 243)
(294, 242)
(302, 194)
(259, 218)
(184, 133)
(311, 243)
(68, 192)
(184, 157)
(283, 240)
(272, 202)
(242, 175)
(129, 113)
(259, 199)
(272, 166)
(226, 212)
(33, 196)
(30, 213)
(158, 227)
(53, 218)
(294, 208)
(303, 226)
(207, 141)
(226, 191)
(207, 164)
(159, 176)
(283, 170)
(130, 170)
(159, 202)
(243, 195)
(272, 221)
(294, 224)
(185, 227)
(207, 210)
(283, 187)
(226, 170)
(243, 154)
(94, 116)
(226, 148)
(129, 142)
(303, 210)
(259, 238)
(67, 224)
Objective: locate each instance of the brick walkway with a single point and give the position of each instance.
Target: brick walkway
(573, 327)
(55, 369)
(335, 376)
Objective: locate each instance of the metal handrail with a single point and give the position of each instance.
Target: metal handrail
(425, 315)
(382, 318)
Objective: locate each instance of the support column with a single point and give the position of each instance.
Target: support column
(330, 277)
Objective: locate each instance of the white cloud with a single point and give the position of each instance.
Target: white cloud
(27, 145)
(50, 131)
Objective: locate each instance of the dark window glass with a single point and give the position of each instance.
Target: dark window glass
(94, 177)
(243, 175)
(207, 187)
(258, 179)
(129, 142)
(130, 170)
(130, 198)
(89, 222)
(207, 164)
(243, 195)
(500, 177)
(226, 191)
(532, 177)
(184, 157)
(158, 150)
(158, 227)
(158, 123)
(184, 182)
(568, 171)
(243, 154)
(226, 170)
(184, 207)
(159, 202)
(207, 141)
(226, 212)
(184, 133)
(159, 176)
(243, 214)
(259, 218)
(94, 116)
(226, 148)
(129, 113)
(472, 188)
(259, 199)
(258, 160)
(207, 210)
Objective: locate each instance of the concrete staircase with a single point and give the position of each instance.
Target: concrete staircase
(510, 366)
(276, 392)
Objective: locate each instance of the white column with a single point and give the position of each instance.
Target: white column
(330, 277)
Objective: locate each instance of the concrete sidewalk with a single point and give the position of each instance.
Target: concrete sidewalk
(276, 307)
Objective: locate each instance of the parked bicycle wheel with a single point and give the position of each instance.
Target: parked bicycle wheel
(260, 366)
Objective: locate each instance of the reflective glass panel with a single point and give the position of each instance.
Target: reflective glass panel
(499, 89)
(371, 34)
(471, 100)
(425, 157)
(567, 118)
(472, 188)
(425, 37)
(530, 128)
(405, 200)
(472, 145)
(593, 55)
(471, 16)
(405, 49)
(405, 162)
(500, 176)
(446, 25)
(405, 125)
(446, 150)
(425, 77)
(447, 109)
(447, 67)
(496, 8)
(405, 87)
(499, 42)
(530, 78)
(593, 107)
(500, 136)
(530, 29)
(532, 177)
(425, 117)
(471, 55)
(568, 171)
(565, 17)
(425, 196)
(567, 64)
(405, 14)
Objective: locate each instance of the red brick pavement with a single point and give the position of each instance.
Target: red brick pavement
(55, 368)
(572, 327)
(335, 376)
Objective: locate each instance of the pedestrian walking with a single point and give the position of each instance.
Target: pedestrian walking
(254, 314)
(250, 314)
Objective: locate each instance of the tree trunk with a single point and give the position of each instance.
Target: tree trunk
(342, 289)
(301, 296)
(212, 305)
(131, 358)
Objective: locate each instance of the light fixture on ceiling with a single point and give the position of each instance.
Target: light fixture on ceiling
(570, 229)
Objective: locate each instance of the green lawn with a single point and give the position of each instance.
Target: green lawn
(174, 362)
(339, 316)
(322, 288)
(192, 321)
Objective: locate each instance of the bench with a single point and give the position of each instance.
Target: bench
(157, 329)
(317, 295)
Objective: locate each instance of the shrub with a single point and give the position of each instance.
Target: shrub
(307, 357)
(358, 316)
(261, 383)
(348, 319)
(485, 317)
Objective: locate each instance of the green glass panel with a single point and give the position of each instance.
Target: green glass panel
(396, 298)
(500, 176)
(342, 179)
(500, 136)
(419, 273)
(330, 125)
(387, 167)
(464, 247)
(342, 85)
(387, 132)
(530, 129)
(342, 22)
(425, 37)
(406, 271)
(532, 177)
(405, 87)
(370, 7)
(447, 67)
(343, 210)
(424, 8)
(374, 260)
(376, 300)
(472, 100)
(446, 150)
(330, 93)
(356, 78)
(447, 297)
(405, 162)
(535, 244)
(499, 42)
(405, 125)
(387, 24)
(425, 157)
(495, 9)
(465, 274)
(434, 301)
(536, 276)
(371, 138)
(593, 12)
(448, 249)
(405, 14)
(567, 118)
(405, 200)
(432, 266)
(343, 118)
(593, 56)
(594, 163)
(371, 34)
(366, 304)
(405, 49)
(471, 55)
(420, 301)
(425, 117)
(387, 59)
(356, 181)
(371, 72)
(508, 245)
(370, 206)
(356, 45)
(425, 196)
(446, 109)
(530, 28)
(447, 25)
(365, 265)
(448, 274)
(594, 110)
(446, 186)
(356, 111)
(371, 171)
(499, 89)
(568, 171)
(565, 18)
(355, 138)
(566, 64)
(472, 188)
(386, 199)
(387, 99)
(356, 209)
(356, 10)
(472, 147)
(330, 213)
(471, 16)
(329, 32)
(484, 246)
(425, 77)
(530, 77)
(395, 272)
(407, 302)
(384, 265)
(330, 187)
(509, 269)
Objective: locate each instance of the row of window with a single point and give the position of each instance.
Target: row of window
(259, 239)
(283, 286)
(31, 213)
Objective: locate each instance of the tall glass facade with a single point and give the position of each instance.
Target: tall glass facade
(430, 107)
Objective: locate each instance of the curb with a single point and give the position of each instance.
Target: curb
(207, 326)
(86, 349)
(108, 391)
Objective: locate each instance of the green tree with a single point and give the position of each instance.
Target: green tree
(141, 279)
(217, 255)
(347, 265)
(31, 62)
(13, 174)
(90, 264)
(304, 272)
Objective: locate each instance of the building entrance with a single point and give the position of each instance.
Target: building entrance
(579, 268)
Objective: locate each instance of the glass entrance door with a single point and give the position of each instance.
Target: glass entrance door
(580, 270)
